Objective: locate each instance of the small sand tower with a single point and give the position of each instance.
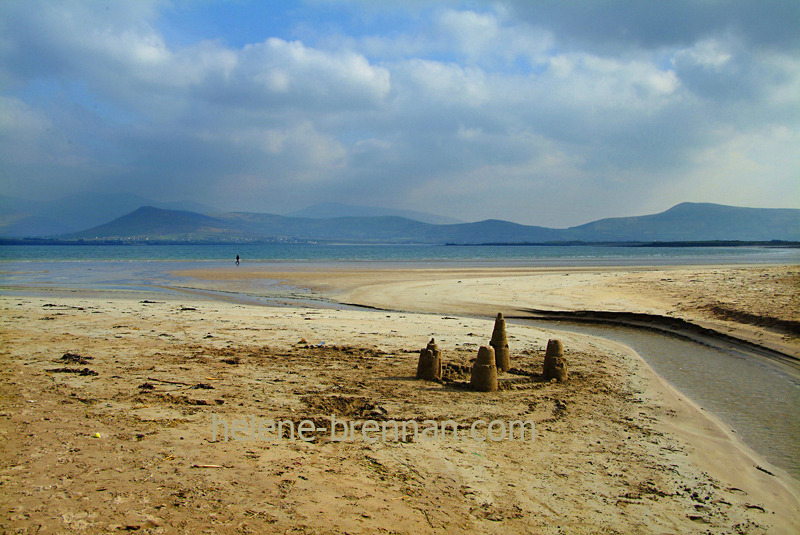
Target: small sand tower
(429, 366)
(500, 344)
(555, 365)
(437, 355)
(484, 371)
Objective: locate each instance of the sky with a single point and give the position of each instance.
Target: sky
(551, 112)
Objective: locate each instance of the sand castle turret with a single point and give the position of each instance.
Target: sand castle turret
(484, 371)
(500, 344)
(555, 365)
(429, 366)
(437, 355)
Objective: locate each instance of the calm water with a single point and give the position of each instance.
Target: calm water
(149, 267)
(526, 255)
(755, 397)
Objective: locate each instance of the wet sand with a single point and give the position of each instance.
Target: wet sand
(756, 303)
(132, 447)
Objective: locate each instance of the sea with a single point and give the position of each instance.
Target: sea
(89, 267)
(523, 255)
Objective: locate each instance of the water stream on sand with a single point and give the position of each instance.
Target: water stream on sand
(758, 398)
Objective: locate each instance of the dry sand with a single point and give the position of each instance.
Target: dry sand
(617, 450)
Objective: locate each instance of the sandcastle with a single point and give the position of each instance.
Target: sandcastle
(500, 344)
(429, 366)
(484, 371)
(555, 366)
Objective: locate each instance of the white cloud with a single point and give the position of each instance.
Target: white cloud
(708, 53)
(426, 82)
(336, 78)
(474, 33)
(599, 82)
(489, 38)
(764, 163)
(502, 93)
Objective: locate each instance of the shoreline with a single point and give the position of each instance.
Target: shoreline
(673, 439)
(722, 454)
(310, 291)
(670, 326)
(601, 289)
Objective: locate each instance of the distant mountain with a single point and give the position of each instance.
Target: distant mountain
(156, 224)
(380, 229)
(327, 210)
(684, 222)
(697, 222)
(21, 225)
(27, 218)
(149, 222)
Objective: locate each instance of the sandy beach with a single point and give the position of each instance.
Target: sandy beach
(115, 406)
(756, 303)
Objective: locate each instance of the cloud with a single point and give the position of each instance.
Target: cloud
(491, 109)
(489, 38)
(620, 25)
(289, 73)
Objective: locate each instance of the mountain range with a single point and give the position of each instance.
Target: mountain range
(327, 210)
(31, 218)
(686, 222)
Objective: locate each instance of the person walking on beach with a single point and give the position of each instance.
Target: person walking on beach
(237, 259)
